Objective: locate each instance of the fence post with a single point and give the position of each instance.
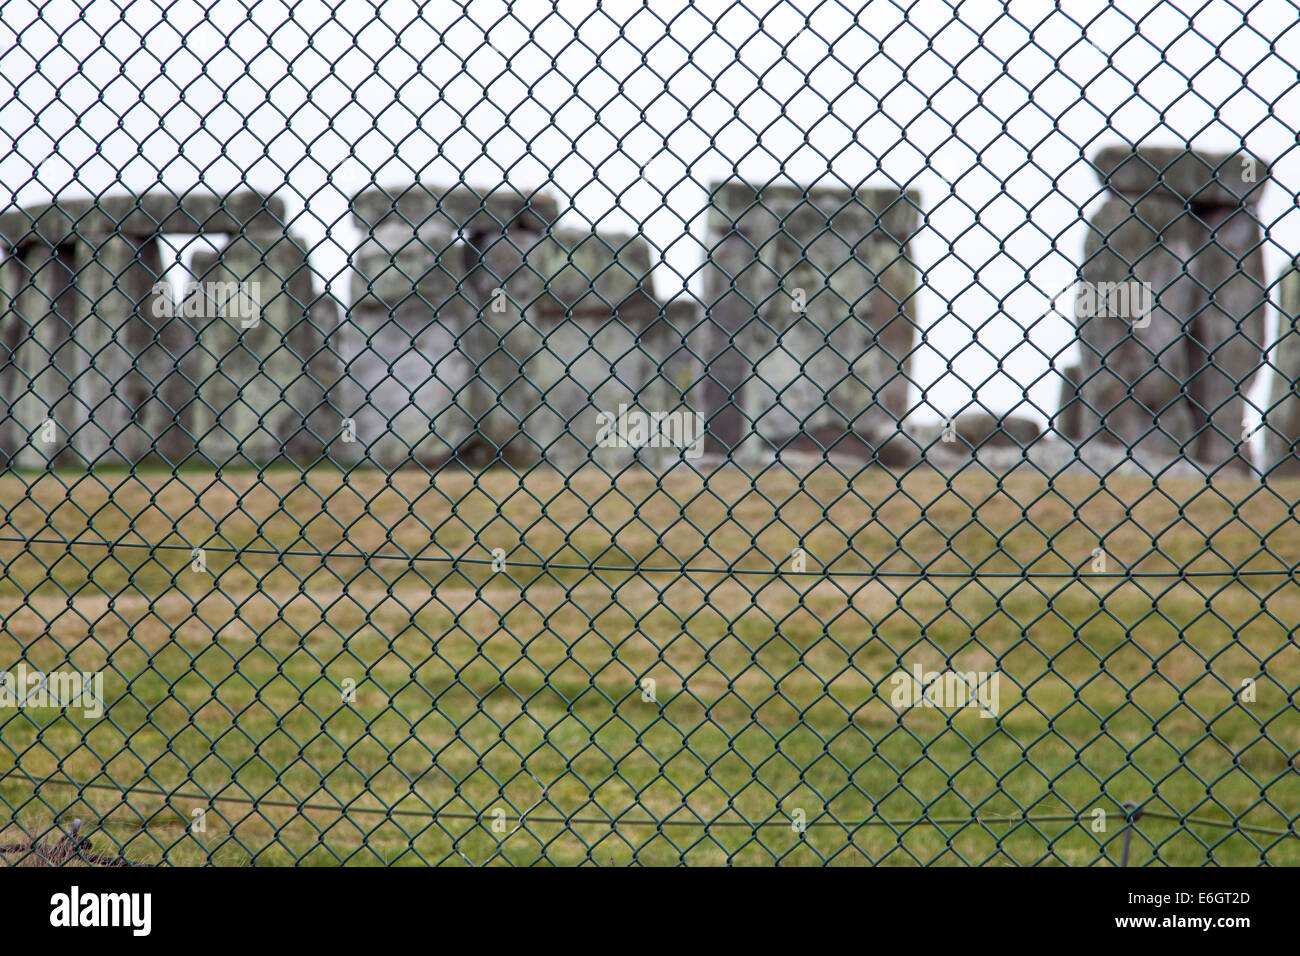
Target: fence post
(1132, 814)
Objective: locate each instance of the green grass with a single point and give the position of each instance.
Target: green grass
(521, 691)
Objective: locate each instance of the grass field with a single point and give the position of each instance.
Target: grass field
(521, 691)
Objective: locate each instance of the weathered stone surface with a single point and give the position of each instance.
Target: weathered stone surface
(981, 430)
(592, 366)
(501, 338)
(418, 207)
(43, 361)
(89, 354)
(685, 337)
(1183, 175)
(1282, 418)
(128, 382)
(742, 204)
(594, 275)
(444, 322)
(409, 305)
(1171, 380)
(836, 367)
(514, 344)
(1227, 332)
(259, 356)
(102, 356)
(1072, 421)
(11, 336)
(91, 343)
(403, 370)
(595, 302)
(393, 267)
(141, 217)
(1133, 376)
(475, 332)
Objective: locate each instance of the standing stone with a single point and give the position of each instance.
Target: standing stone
(10, 336)
(810, 293)
(1072, 421)
(1134, 376)
(674, 340)
(126, 374)
(500, 342)
(1185, 176)
(602, 349)
(685, 340)
(1228, 331)
(403, 365)
(442, 344)
(330, 434)
(1170, 378)
(43, 414)
(1282, 417)
(259, 358)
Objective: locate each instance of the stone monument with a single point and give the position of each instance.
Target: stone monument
(1171, 306)
(810, 296)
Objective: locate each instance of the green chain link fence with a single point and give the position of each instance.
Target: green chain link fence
(649, 433)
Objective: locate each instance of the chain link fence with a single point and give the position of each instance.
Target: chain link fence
(689, 432)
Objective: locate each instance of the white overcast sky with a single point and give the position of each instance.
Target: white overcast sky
(626, 113)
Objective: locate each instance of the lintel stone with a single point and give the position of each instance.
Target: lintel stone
(140, 217)
(419, 207)
(1187, 176)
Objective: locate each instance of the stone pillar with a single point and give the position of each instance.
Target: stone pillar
(260, 358)
(403, 366)
(810, 295)
(37, 316)
(44, 417)
(601, 348)
(686, 339)
(672, 341)
(124, 365)
(1282, 417)
(1073, 421)
(1228, 332)
(502, 339)
(10, 336)
(440, 353)
(1169, 378)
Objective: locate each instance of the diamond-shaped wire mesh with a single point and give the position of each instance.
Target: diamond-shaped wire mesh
(690, 432)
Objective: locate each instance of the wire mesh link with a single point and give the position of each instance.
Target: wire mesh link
(699, 432)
